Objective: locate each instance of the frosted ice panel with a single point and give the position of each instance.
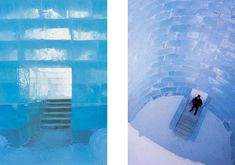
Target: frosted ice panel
(48, 34)
(46, 54)
(80, 9)
(99, 9)
(84, 51)
(8, 75)
(91, 35)
(9, 92)
(89, 117)
(24, 83)
(51, 14)
(8, 55)
(7, 35)
(12, 116)
(17, 10)
(102, 51)
(89, 76)
(89, 93)
(86, 30)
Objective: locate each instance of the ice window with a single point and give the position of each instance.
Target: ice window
(90, 35)
(7, 35)
(78, 14)
(23, 13)
(50, 13)
(48, 34)
(46, 54)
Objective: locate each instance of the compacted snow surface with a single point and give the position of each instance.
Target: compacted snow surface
(211, 146)
(144, 151)
(49, 147)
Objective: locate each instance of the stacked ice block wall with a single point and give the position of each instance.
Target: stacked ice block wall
(55, 34)
(176, 45)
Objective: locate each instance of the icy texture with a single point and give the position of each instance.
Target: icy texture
(50, 33)
(177, 45)
(98, 144)
(3, 143)
(89, 95)
(19, 122)
(52, 49)
(153, 122)
(49, 147)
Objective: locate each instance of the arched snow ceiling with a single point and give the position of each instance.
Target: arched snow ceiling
(178, 45)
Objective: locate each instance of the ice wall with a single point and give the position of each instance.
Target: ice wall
(56, 34)
(176, 45)
(49, 33)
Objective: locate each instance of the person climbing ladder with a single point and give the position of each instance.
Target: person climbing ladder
(197, 102)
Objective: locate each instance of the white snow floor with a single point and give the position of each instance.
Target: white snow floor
(211, 147)
(144, 151)
(49, 147)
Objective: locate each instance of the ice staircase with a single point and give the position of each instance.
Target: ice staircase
(57, 114)
(186, 124)
(187, 121)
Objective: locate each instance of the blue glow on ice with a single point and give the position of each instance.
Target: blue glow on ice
(175, 46)
(38, 38)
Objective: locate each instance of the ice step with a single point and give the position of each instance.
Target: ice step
(57, 114)
(186, 127)
(55, 125)
(188, 119)
(58, 103)
(182, 132)
(58, 106)
(57, 110)
(56, 118)
(59, 100)
(182, 135)
(183, 124)
(55, 121)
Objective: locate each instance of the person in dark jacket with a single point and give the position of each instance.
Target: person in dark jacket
(197, 102)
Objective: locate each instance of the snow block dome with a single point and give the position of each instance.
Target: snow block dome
(177, 45)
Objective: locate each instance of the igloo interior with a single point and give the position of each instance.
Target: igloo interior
(53, 50)
(178, 45)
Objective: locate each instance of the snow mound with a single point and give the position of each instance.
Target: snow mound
(144, 151)
(98, 144)
(3, 142)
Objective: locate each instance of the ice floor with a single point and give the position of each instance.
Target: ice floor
(212, 146)
(49, 147)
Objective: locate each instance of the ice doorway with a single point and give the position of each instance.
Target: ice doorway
(50, 83)
(54, 86)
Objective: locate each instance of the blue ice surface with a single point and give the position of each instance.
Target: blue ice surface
(52, 34)
(178, 45)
